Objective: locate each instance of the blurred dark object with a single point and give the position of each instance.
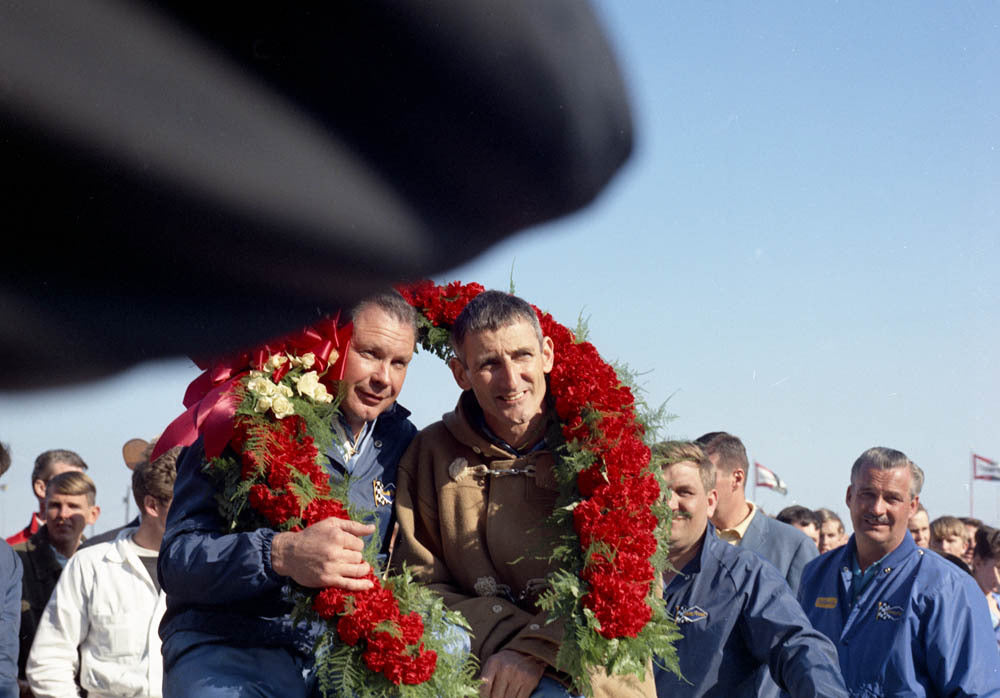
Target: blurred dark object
(188, 177)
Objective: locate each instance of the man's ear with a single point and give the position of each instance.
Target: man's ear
(150, 506)
(739, 478)
(548, 354)
(713, 500)
(914, 502)
(847, 497)
(459, 372)
(95, 511)
(39, 487)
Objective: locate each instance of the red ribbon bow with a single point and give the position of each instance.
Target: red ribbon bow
(211, 400)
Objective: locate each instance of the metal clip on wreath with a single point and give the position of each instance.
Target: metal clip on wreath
(614, 542)
(274, 408)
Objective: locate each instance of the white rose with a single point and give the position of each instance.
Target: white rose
(277, 360)
(263, 404)
(282, 407)
(307, 384)
(322, 395)
(308, 360)
(284, 390)
(261, 386)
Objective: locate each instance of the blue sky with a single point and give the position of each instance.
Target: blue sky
(804, 251)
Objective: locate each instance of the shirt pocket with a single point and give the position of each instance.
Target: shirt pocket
(114, 636)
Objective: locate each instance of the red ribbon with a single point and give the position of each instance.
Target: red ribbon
(211, 400)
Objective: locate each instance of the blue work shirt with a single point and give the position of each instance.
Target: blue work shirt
(920, 628)
(220, 586)
(738, 618)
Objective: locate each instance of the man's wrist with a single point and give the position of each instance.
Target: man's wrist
(279, 552)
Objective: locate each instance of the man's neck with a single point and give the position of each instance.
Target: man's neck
(65, 549)
(869, 554)
(522, 437)
(734, 516)
(148, 536)
(355, 425)
(680, 557)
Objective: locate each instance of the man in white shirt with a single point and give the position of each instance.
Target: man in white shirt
(101, 622)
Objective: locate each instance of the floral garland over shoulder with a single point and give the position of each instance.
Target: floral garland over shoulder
(274, 408)
(611, 510)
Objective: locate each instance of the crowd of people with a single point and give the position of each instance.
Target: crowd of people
(176, 605)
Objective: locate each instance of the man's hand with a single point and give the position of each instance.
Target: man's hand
(325, 554)
(510, 674)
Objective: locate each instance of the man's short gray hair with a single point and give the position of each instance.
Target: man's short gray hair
(882, 458)
(490, 311)
(392, 304)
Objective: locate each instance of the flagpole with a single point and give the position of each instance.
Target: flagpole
(755, 478)
(972, 479)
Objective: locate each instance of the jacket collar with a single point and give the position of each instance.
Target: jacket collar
(388, 422)
(39, 547)
(902, 551)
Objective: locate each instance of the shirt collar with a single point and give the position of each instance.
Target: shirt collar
(735, 534)
(345, 444)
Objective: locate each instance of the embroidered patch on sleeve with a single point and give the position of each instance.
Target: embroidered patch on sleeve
(383, 495)
(826, 602)
(886, 612)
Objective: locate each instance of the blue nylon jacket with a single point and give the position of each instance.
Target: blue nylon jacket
(10, 619)
(920, 628)
(220, 586)
(739, 618)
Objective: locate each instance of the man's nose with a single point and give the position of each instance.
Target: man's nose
(381, 373)
(509, 374)
(672, 500)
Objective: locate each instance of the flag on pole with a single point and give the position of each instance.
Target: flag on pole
(984, 468)
(766, 478)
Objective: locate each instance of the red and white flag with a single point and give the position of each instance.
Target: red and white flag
(984, 468)
(766, 478)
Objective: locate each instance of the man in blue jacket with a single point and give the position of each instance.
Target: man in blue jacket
(737, 615)
(905, 620)
(227, 629)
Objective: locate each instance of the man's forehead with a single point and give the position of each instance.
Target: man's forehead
(518, 334)
(681, 472)
(67, 498)
(373, 326)
(884, 479)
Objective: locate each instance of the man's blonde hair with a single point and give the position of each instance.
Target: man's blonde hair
(944, 526)
(72, 482)
(667, 453)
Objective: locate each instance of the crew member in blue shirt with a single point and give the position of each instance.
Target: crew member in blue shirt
(905, 620)
(737, 615)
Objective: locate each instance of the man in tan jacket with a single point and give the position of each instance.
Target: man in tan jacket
(474, 492)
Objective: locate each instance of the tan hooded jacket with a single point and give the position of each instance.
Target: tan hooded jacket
(472, 527)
